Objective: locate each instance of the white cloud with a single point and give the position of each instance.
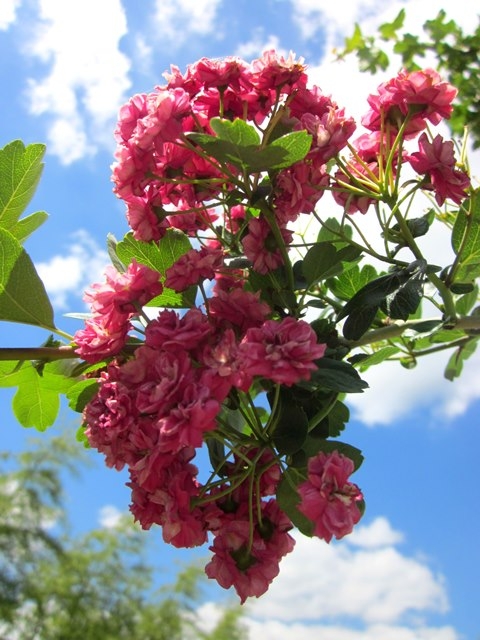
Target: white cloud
(259, 43)
(376, 535)
(109, 516)
(87, 75)
(8, 13)
(362, 588)
(72, 272)
(396, 392)
(179, 20)
(371, 584)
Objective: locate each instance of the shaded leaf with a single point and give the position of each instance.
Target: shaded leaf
(288, 499)
(22, 294)
(455, 364)
(80, 394)
(338, 376)
(291, 424)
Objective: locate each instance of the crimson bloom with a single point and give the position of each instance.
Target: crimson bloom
(327, 496)
(436, 160)
(422, 95)
(284, 351)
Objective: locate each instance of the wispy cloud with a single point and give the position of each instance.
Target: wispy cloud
(86, 76)
(8, 13)
(179, 20)
(259, 43)
(72, 272)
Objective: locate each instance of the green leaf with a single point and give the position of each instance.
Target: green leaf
(332, 230)
(159, 256)
(22, 294)
(288, 499)
(291, 424)
(466, 303)
(294, 145)
(26, 226)
(338, 376)
(378, 356)
(346, 285)
(356, 41)
(237, 132)
(466, 231)
(455, 364)
(337, 419)
(20, 170)
(36, 402)
(388, 291)
(388, 31)
(80, 394)
(318, 261)
(405, 301)
(239, 145)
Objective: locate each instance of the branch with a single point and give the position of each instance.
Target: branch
(46, 354)
(395, 330)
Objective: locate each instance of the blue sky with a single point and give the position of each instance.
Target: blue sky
(409, 572)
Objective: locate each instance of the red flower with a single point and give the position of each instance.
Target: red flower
(282, 351)
(436, 160)
(328, 498)
(420, 94)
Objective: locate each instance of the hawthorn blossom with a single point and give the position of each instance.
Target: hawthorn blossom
(328, 498)
(124, 292)
(250, 568)
(436, 160)
(298, 189)
(238, 308)
(193, 267)
(421, 95)
(260, 245)
(283, 351)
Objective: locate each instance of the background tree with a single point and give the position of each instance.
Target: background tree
(456, 55)
(54, 585)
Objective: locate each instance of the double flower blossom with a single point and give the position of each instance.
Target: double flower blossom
(161, 398)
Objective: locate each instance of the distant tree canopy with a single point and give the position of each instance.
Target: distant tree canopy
(457, 55)
(55, 586)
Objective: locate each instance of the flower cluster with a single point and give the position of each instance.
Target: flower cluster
(400, 111)
(215, 167)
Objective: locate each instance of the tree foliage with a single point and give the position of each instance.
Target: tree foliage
(55, 585)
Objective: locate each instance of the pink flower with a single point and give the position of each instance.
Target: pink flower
(193, 267)
(298, 189)
(103, 336)
(436, 160)
(272, 70)
(420, 94)
(170, 332)
(261, 247)
(250, 569)
(327, 496)
(283, 351)
(124, 292)
(238, 309)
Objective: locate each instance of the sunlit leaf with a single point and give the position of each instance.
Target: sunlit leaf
(20, 168)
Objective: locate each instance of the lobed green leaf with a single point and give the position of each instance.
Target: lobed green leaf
(20, 168)
(22, 294)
